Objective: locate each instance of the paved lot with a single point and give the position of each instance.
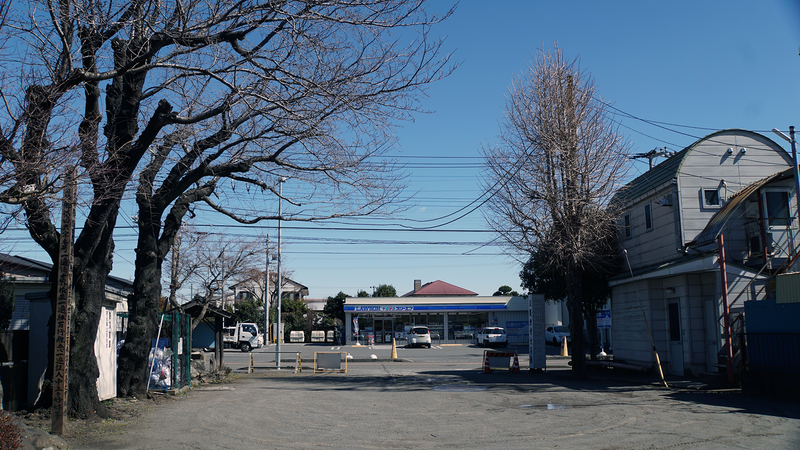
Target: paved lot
(419, 405)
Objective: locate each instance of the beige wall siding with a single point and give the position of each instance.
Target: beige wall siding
(629, 334)
(647, 247)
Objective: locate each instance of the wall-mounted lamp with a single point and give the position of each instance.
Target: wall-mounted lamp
(730, 150)
(743, 150)
(669, 290)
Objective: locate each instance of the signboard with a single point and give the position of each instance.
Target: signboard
(517, 328)
(536, 347)
(604, 319)
(380, 308)
(355, 325)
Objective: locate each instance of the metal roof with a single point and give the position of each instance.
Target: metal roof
(721, 217)
(668, 169)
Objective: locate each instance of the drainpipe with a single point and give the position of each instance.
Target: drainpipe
(725, 312)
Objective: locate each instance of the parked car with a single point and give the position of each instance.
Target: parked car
(555, 334)
(419, 337)
(492, 336)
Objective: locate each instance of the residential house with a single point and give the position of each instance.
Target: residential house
(731, 183)
(253, 289)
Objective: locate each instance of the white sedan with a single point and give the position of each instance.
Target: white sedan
(492, 336)
(555, 335)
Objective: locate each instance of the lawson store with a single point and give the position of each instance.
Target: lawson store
(453, 319)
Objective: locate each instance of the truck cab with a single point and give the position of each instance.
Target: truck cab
(244, 336)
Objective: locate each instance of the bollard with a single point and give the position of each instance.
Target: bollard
(564, 350)
(250, 369)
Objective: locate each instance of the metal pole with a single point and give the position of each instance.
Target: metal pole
(796, 175)
(723, 278)
(792, 141)
(266, 297)
(279, 336)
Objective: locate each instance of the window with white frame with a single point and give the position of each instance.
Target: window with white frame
(711, 198)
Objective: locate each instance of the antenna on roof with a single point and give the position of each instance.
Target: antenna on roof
(652, 154)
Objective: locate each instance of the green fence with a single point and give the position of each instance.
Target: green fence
(170, 355)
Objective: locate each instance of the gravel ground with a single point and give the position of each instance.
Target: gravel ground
(458, 409)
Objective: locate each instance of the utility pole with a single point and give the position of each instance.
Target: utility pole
(266, 296)
(652, 154)
(63, 312)
(279, 337)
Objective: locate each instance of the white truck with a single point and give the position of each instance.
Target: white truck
(243, 336)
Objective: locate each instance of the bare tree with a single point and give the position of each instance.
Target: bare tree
(212, 262)
(202, 102)
(557, 165)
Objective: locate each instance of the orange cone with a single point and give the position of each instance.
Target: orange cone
(564, 351)
(515, 369)
(486, 367)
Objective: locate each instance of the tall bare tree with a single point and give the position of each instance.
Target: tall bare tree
(558, 162)
(212, 262)
(183, 103)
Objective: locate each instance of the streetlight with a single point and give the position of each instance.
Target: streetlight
(266, 298)
(281, 180)
(791, 140)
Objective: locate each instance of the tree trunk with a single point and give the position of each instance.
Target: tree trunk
(575, 305)
(591, 330)
(90, 284)
(143, 319)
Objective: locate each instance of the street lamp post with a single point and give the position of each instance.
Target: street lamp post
(266, 298)
(279, 336)
(791, 140)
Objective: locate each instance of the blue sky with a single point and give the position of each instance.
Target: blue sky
(676, 71)
(709, 65)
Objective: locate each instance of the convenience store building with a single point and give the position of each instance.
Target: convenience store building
(453, 314)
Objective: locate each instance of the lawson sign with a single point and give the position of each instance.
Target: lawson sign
(377, 308)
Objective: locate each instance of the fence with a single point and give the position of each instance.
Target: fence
(773, 352)
(171, 354)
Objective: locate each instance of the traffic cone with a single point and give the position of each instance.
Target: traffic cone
(394, 350)
(564, 351)
(515, 369)
(486, 367)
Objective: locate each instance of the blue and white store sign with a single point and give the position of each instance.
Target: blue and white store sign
(378, 308)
